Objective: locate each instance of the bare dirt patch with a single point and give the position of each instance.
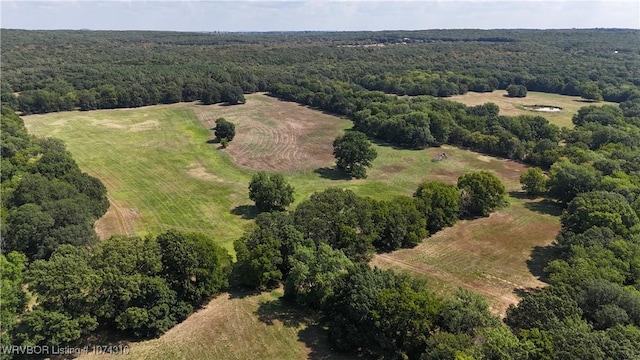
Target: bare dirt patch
(392, 169)
(199, 172)
(275, 135)
(117, 220)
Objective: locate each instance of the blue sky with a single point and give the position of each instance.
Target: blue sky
(229, 15)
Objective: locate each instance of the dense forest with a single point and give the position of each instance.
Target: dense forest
(319, 250)
(62, 70)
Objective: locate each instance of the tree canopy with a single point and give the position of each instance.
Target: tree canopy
(224, 129)
(353, 153)
(482, 193)
(270, 191)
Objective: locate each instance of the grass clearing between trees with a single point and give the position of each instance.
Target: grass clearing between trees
(162, 172)
(509, 106)
(238, 326)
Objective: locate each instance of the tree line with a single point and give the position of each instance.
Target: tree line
(100, 70)
(591, 307)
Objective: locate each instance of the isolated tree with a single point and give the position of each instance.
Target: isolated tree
(514, 90)
(224, 129)
(270, 192)
(354, 153)
(533, 182)
(482, 192)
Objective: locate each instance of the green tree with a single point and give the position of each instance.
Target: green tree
(600, 209)
(353, 153)
(65, 287)
(27, 229)
(482, 193)
(543, 309)
(566, 180)
(65, 282)
(13, 299)
(466, 313)
(270, 192)
(405, 226)
(341, 219)
(259, 259)
(498, 343)
(439, 203)
(193, 265)
(51, 328)
(224, 129)
(591, 91)
(133, 296)
(446, 346)
(514, 90)
(533, 182)
(232, 94)
(315, 271)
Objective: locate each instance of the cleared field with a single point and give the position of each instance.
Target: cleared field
(274, 135)
(161, 172)
(494, 256)
(515, 106)
(158, 169)
(238, 326)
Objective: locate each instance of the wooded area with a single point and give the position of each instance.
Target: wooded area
(142, 286)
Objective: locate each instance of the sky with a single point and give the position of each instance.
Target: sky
(318, 15)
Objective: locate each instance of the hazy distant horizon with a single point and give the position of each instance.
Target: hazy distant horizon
(287, 16)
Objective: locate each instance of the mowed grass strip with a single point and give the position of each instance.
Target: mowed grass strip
(514, 106)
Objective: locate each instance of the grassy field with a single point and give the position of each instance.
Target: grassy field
(162, 172)
(495, 256)
(238, 326)
(515, 106)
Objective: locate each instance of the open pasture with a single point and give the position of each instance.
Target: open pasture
(274, 135)
(238, 326)
(162, 172)
(496, 256)
(509, 106)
